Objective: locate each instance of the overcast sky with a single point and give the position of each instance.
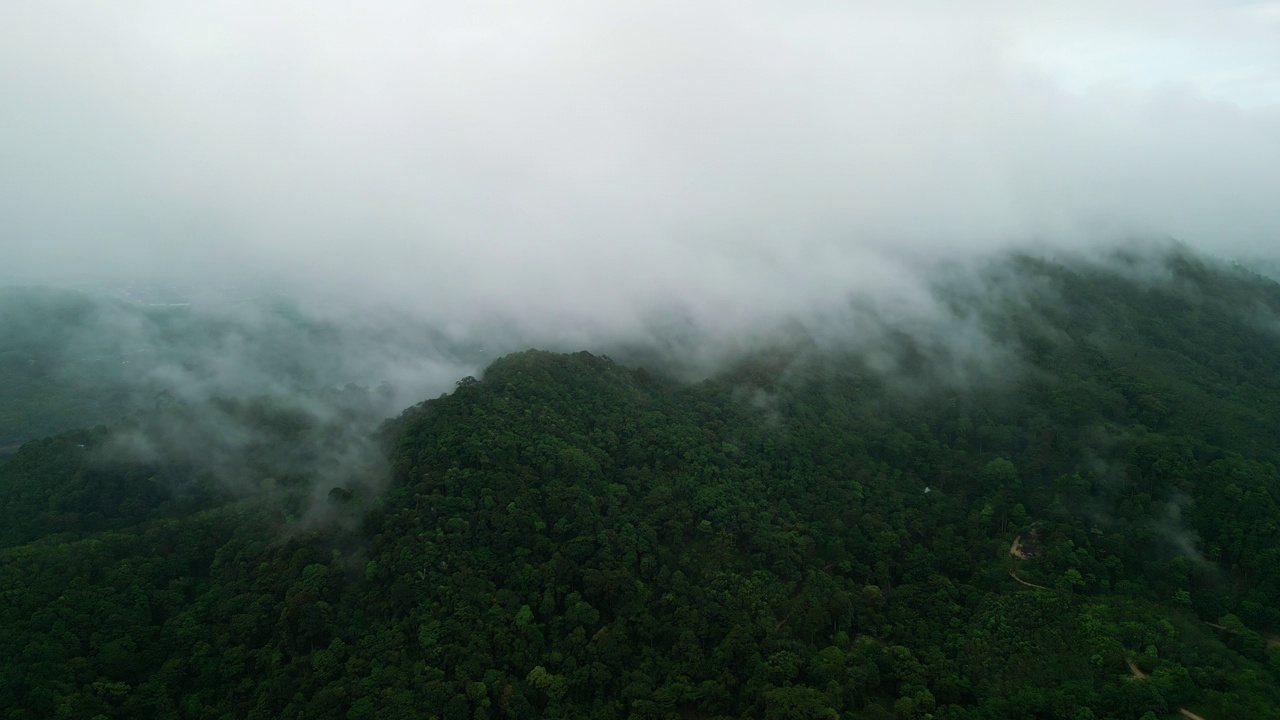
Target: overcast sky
(592, 161)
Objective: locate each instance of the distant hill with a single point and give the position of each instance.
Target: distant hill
(49, 380)
(70, 359)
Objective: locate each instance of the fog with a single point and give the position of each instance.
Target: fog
(429, 185)
(576, 169)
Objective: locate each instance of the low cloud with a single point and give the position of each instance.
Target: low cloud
(572, 172)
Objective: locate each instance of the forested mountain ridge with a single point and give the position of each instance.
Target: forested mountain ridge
(70, 359)
(805, 534)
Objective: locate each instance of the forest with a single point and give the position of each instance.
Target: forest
(1087, 527)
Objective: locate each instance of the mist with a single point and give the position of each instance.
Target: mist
(573, 174)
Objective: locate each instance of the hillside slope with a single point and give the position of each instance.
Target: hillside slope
(804, 535)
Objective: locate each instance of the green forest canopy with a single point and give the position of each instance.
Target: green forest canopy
(799, 536)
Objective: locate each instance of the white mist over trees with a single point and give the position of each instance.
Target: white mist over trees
(575, 169)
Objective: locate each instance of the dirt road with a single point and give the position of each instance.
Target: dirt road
(1271, 640)
(1139, 675)
(1014, 575)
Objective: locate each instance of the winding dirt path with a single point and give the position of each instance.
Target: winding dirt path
(1014, 575)
(1271, 640)
(1139, 675)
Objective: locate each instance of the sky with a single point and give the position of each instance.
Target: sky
(570, 165)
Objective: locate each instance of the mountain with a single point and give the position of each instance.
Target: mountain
(71, 359)
(1070, 508)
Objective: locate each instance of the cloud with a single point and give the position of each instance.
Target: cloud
(262, 348)
(574, 168)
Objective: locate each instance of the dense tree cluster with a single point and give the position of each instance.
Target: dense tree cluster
(800, 536)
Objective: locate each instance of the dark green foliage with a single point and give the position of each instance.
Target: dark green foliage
(186, 457)
(566, 537)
